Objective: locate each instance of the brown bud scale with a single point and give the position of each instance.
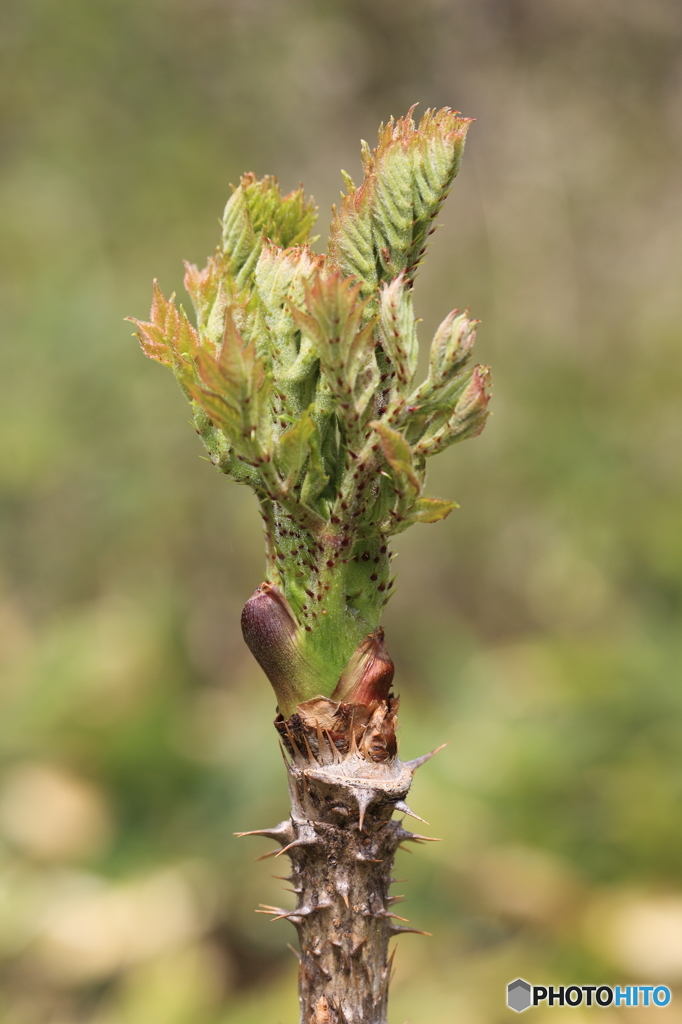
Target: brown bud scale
(369, 673)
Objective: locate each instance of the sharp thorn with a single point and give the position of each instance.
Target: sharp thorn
(390, 969)
(320, 738)
(293, 742)
(296, 842)
(294, 951)
(417, 762)
(322, 971)
(400, 805)
(311, 756)
(280, 832)
(280, 913)
(364, 798)
(295, 746)
(336, 757)
(397, 929)
(284, 756)
(272, 853)
(294, 796)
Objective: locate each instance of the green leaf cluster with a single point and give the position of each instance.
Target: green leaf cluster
(301, 374)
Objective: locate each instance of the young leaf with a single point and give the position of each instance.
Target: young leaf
(280, 278)
(451, 346)
(315, 479)
(257, 211)
(152, 334)
(235, 394)
(346, 349)
(431, 405)
(467, 418)
(381, 228)
(432, 510)
(351, 243)
(437, 149)
(293, 448)
(398, 331)
(169, 337)
(398, 455)
(203, 287)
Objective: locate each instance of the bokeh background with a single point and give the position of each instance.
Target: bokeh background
(537, 630)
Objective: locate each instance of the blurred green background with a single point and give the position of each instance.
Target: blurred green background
(537, 630)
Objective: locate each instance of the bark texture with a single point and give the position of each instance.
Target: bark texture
(345, 782)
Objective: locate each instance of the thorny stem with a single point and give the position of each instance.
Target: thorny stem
(345, 782)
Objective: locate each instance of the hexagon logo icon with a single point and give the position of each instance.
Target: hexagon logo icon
(518, 995)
